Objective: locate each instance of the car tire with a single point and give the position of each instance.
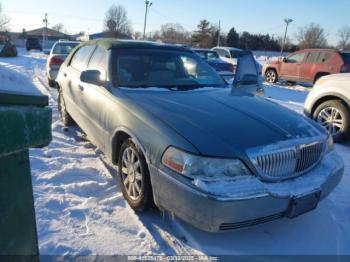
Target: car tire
(271, 76)
(66, 119)
(134, 177)
(52, 83)
(335, 117)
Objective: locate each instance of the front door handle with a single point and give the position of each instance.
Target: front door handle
(81, 88)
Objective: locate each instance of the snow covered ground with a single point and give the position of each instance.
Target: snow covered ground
(80, 209)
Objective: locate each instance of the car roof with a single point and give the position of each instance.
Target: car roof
(111, 43)
(318, 50)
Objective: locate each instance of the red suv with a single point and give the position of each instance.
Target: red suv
(307, 66)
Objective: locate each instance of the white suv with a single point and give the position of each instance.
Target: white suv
(329, 104)
(228, 54)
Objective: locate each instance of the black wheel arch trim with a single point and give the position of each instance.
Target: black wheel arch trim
(133, 137)
(323, 98)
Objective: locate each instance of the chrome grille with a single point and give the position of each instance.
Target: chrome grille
(290, 162)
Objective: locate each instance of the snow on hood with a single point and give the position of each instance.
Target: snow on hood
(250, 186)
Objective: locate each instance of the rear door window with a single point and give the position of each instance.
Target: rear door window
(313, 57)
(82, 57)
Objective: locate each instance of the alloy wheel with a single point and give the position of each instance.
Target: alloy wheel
(331, 118)
(131, 173)
(270, 76)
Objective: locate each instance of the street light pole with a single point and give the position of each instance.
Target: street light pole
(148, 5)
(287, 21)
(46, 22)
(219, 33)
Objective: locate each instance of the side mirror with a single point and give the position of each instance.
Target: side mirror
(46, 52)
(92, 77)
(227, 56)
(285, 60)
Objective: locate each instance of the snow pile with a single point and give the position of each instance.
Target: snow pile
(12, 81)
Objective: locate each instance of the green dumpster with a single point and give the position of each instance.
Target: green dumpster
(25, 121)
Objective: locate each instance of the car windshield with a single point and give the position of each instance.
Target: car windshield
(64, 48)
(235, 54)
(346, 58)
(165, 69)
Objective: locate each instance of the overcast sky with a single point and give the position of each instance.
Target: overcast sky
(255, 16)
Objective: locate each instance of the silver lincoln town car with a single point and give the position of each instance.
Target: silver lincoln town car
(217, 156)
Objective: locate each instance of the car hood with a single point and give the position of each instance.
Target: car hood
(219, 123)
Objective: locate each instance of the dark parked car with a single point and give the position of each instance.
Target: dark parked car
(307, 66)
(7, 49)
(33, 44)
(216, 157)
(223, 68)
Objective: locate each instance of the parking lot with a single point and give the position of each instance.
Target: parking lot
(80, 208)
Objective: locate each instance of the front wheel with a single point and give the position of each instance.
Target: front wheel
(334, 116)
(271, 76)
(134, 177)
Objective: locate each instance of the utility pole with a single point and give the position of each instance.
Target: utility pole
(287, 21)
(219, 33)
(148, 5)
(46, 22)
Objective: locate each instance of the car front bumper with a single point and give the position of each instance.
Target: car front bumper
(215, 213)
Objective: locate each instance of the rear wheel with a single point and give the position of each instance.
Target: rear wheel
(334, 116)
(271, 76)
(66, 119)
(134, 176)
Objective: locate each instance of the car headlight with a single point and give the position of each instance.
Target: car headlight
(330, 144)
(193, 166)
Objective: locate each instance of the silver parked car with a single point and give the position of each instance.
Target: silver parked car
(57, 55)
(217, 157)
(328, 103)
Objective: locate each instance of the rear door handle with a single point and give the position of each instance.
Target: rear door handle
(81, 88)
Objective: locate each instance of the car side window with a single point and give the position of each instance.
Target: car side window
(82, 57)
(313, 57)
(297, 58)
(98, 60)
(324, 57)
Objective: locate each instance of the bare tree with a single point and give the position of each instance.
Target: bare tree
(312, 36)
(4, 20)
(174, 33)
(60, 28)
(344, 35)
(116, 20)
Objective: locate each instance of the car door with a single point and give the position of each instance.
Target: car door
(95, 98)
(290, 67)
(309, 66)
(73, 98)
(247, 76)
